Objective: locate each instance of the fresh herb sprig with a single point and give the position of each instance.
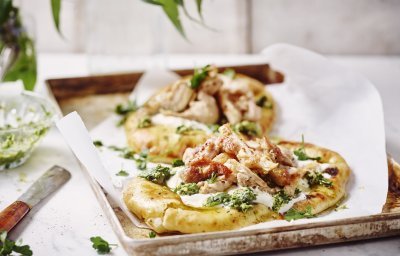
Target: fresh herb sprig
(122, 173)
(101, 245)
(177, 163)
(301, 152)
(124, 110)
(7, 247)
(187, 189)
(241, 199)
(171, 9)
(198, 76)
(294, 214)
(280, 199)
(316, 178)
(152, 234)
(159, 174)
(247, 128)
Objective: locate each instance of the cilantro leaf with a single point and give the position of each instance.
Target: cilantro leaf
(294, 214)
(98, 143)
(198, 76)
(177, 163)
(101, 245)
(122, 173)
(144, 122)
(316, 178)
(152, 234)
(301, 153)
(213, 178)
(158, 174)
(280, 199)
(248, 128)
(8, 246)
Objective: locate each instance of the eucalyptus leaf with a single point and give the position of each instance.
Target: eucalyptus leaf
(56, 9)
(24, 66)
(199, 9)
(170, 8)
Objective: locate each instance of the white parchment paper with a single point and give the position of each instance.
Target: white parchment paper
(331, 106)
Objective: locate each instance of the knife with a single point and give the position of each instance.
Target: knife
(49, 182)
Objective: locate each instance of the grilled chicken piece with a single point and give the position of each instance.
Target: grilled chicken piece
(211, 85)
(204, 110)
(218, 186)
(246, 177)
(177, 97)
(228, 108)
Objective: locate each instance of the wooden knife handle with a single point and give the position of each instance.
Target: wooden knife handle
(13, 214)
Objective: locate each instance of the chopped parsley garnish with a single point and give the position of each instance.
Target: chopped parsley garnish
(280, 199)
(213, 178)
(294, 214)
(183, 129)
(301, 153)
(231, 73)
(177, 163)
(122, 173)
(187, 189)
(159, 174)
(152, 234)
(241, 199)
(7, 247)
(248, 128)
(124, 110)
(263, 102)
(101, 245)
(144, 122)
(198, 76)
(98, 143)
(316, 178)
(140, 159)
(220, 198)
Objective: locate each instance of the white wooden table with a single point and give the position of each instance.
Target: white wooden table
(63, 224)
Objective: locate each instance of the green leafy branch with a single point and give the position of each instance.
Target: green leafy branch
(171, 9)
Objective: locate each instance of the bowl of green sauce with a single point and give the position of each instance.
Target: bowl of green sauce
(25, 118)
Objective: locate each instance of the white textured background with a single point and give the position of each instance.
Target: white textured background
(244, 26)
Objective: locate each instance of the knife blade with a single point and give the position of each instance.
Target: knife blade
(49, 182)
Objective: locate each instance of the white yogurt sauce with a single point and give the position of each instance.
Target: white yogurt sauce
(173, 121)
(289, 205)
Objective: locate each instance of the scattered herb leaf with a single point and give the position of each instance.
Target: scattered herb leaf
(177, 163)
(213, 178)
(152, 234)
(241, 199)
(316, 178)
(144, 122)
(301, 152)
(158, 174)
(280, 199)
(183, 129)
(187, 189)
(98, 143)
(122, 173)
(8, 246)
(220, 198)
(124, 110)
(248, 128)
(198, 76)
(101, 245)
(263, 102)
(293, 214)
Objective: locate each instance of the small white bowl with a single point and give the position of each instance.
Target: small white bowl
(25, 118)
